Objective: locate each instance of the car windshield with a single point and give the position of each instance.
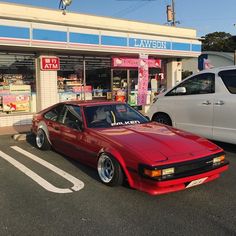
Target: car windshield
(112, 115)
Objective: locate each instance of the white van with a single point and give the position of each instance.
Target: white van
(203, 103)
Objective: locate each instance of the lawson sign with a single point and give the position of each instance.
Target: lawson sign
(147, 43)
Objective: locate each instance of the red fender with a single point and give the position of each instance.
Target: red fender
(120, 159)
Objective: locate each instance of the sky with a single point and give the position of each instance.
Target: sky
(206, 16)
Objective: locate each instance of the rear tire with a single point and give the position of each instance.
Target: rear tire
(109, 170)
(41, 140)
(163, 119)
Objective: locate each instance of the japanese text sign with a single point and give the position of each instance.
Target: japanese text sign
(50, 63)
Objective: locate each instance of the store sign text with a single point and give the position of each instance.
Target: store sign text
(145, 43)
(50, 63)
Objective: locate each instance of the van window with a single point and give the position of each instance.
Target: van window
(229, 79)
(198, 84)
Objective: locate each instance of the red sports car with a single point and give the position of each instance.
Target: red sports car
(122, 144)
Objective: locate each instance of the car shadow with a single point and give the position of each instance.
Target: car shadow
(91, 172)
(226, 146)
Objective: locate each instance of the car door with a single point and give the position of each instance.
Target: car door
(72, 134)
(53, 126)
(224, 122)
(191, 104)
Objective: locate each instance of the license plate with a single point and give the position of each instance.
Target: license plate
(196, 182)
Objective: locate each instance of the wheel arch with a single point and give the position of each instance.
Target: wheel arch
(162, 113)
(42, 125)
(115, 154)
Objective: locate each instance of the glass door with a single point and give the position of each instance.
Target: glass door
(119, 84)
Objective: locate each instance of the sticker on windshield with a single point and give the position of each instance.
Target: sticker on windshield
(128, 122)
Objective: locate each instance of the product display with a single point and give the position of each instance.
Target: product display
(71, 88)
(15, 93)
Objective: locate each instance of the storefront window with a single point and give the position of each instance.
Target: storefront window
(73, 84)
(98, 76)
(17, 83)
(120, 84)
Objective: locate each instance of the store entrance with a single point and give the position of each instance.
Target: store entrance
(119, 82)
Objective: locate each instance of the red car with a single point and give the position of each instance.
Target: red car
(122, 144)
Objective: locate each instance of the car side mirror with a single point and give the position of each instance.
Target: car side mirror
(80, 126)
(180, 90)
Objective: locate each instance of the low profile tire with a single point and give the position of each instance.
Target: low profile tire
(163, 119)
(109, 170)
(41, 140)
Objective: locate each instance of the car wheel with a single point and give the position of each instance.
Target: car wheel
(109, 170)
(163, 119)
(42, 140)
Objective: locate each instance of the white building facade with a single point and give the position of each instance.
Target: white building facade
(47, 57)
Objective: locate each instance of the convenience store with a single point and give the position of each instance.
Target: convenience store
(46, 57)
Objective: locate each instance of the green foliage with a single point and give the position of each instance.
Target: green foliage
(218, 41)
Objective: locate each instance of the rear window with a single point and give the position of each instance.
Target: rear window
(229, 79)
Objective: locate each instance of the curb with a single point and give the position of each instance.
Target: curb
(20, 137)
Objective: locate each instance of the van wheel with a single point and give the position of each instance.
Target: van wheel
(163, 119)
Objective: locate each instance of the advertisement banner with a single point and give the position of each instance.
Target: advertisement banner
(142, 79)
(16, 102)
(134, 62)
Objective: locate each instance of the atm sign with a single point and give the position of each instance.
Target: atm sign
(50, 63)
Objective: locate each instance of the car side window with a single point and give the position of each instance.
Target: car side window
(198, 84)
(72, 117)
(54, 113)
(229, 79)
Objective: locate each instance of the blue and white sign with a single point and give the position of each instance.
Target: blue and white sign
(47, 36)
(147, 43)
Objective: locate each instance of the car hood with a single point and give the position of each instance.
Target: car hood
(157, 142)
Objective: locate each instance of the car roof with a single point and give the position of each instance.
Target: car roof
(214, 70)
(91, 103)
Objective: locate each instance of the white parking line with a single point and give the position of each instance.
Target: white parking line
(77, 184)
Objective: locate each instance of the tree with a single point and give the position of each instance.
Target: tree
(219, 41)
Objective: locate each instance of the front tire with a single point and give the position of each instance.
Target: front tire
(41, 140)
(109, 170)
(163, 119)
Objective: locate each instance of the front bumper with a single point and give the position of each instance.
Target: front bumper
(155, 187)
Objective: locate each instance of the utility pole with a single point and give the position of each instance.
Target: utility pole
(173, 13)
(170, 11)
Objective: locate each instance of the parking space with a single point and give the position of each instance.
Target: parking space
(45, 193)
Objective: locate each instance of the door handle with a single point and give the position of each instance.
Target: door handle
(206, 103)
(219, 103)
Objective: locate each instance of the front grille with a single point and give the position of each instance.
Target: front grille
(187, 168)
(194, 167)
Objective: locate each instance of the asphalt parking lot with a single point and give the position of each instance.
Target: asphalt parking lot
(45, 193)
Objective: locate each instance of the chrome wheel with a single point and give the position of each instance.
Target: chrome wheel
(40, 138)
(105, 168)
